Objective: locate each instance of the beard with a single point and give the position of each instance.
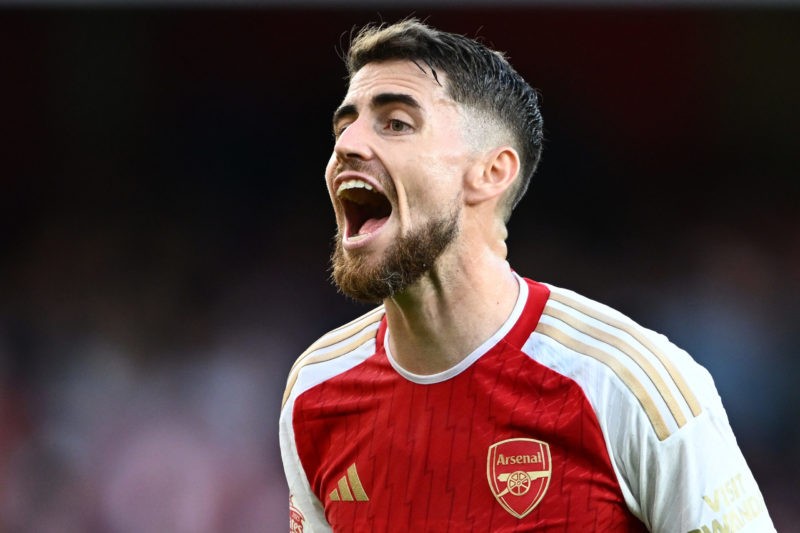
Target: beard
(403, 264)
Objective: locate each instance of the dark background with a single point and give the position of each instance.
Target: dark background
(164, 233)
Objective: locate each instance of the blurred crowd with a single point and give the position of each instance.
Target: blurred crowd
(96, 437)
(93, 440)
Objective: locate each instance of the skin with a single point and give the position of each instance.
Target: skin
(422, 155)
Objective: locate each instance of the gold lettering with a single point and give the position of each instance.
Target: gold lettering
(727, 493)
(751, 509)
(733, 521)
(715, 503)
(716, 527)
(734, 488)
(519, 459)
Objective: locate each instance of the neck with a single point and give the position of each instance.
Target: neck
(451, 311)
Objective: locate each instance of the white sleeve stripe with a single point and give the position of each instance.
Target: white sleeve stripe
(327, 356)
(635, 332)
(628, 350)
(299, 485)
(343, 332)
(627, 377)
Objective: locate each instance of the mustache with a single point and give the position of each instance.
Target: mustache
(376, 170)
(358, 165)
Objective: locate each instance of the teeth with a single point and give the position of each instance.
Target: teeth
(353, 184)
(356, 238)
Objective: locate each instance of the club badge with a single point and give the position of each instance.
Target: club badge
(296, 518)
(519, 471)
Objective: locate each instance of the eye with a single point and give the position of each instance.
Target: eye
(397, 126)
(339, 129)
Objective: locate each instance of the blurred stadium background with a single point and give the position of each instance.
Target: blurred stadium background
(164, 229)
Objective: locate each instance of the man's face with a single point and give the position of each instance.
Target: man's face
(395, 178)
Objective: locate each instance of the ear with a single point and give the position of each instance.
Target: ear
(491, 175)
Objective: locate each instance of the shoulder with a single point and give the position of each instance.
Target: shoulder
(621, 364)
(334, 347)
(662, 419)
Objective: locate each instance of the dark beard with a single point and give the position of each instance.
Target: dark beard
(405, 262)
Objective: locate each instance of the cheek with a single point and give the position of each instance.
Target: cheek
(330, 169)
(444, 172)
(431, 175)
(436, 193)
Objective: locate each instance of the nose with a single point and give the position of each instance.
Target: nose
(354, 142)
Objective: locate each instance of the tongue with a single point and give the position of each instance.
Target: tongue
(371, 225)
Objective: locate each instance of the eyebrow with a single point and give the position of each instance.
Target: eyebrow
(379, 100)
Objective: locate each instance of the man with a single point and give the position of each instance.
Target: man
(474, 399)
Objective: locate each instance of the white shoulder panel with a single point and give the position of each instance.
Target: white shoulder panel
(334, 353)
(675, 456)
(331, 347)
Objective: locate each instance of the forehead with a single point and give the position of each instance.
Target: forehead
(397, 76)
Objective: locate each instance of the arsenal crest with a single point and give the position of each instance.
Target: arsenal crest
(296, 518)
(519, 473)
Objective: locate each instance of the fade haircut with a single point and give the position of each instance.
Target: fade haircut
(478, 78)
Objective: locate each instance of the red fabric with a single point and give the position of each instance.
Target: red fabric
(420, 451)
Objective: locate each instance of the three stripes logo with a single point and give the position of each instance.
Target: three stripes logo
(349, 488)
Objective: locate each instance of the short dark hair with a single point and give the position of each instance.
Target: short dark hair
(477, 77)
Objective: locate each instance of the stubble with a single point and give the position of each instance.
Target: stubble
(409, 258)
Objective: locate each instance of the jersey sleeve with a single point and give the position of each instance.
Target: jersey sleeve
(677, 461)
(333, 353)
(306, 514)
(696, 479)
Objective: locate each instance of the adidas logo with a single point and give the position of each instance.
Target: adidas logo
(350, 488)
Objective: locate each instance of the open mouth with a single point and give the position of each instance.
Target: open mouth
(365, 209)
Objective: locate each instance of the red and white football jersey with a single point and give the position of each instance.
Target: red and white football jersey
(570, 418)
